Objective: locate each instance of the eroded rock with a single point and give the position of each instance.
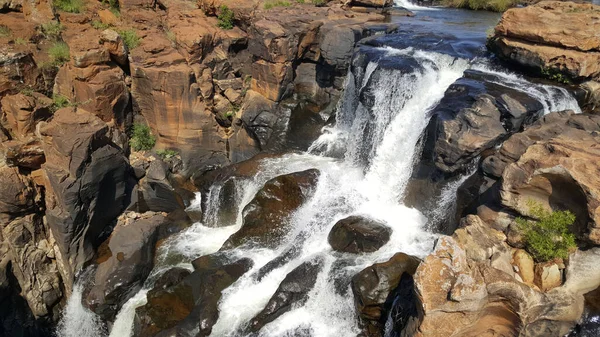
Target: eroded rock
(358, 235)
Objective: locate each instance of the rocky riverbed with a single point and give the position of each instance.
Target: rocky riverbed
(275, 168)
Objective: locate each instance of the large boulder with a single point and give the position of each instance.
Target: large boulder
(356, 235)
(131, 247)
(552, 164)
(195, 298)
(374, 289)
(85, 185)
(154, 192)
(292, 292)
(22, 112)
(266, 215)
(552, 37)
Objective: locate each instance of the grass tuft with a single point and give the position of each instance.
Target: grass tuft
(278, 3)
(5, 31)
(71, 6)
(59, 53)
(141, 138)
(52, 30)
(548, 237)
(225, 18)
(130, 38)
(166, 154)
(97, 24)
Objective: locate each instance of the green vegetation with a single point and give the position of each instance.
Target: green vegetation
(319, 3)
(130, 38)
(548, 237)
(491, 5)
(5, 31)
(52, 29)
(59, 102)
(71, 6)
(141, 138)
(27, 92)
(21, 41)
(171, 36)
(100, 25)
(277, 3)
(166, 154)
(555, 76)
(59, 53)
(225, 18)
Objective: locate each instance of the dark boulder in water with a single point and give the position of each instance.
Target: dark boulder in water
(189, 307)
(372, 288)
(357, 235)
(292, 292)
(266, 214)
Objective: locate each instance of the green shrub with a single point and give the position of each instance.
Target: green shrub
(27, 92)
(166, 154)
(21, 41)
(52, 29)
(59, 102)
(491, 5)
(59, 53)
(130, 38)
(141, 138)
(319, 3)
(548, 237)
(71, 6)
(5, 31)
(225, 18)
(97, 24)
(555, 76)
(278, 3)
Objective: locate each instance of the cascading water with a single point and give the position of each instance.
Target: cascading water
(379, 122)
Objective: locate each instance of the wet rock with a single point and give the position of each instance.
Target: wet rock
(191, 304)
(265, 216)
(474, 115)
(373, 286)
(154, 192)
(552, 37)
(85, 183)
(131, 244)
(291, 293)
(358, 235)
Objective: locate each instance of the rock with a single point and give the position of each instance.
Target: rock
(131, 245)
(358, 235)
(373, 285)
(16, 194)
(292, 292)
(114, 44)
(33, 265)
(22, 112)
(28, 155)
(555, 169)
(265, 216)
(591, 99)
(370, 3)
(524, 263)
(85, 177)
(547, 275)
(474, 115)
(552, 37)
(154, 191)
(18, 71)
(195, 298)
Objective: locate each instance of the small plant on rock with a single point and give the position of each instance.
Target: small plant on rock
(225, 18)
(278, 3)
(319, 3)
(21, 41)
(166, 154)
(59, 102)
(71, 6)
(130, 38)
(5, 31)
(59, 53)
(141, 138)
(52, 30)
(548, 237)
(97, 24)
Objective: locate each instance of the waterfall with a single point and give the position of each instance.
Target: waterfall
(365, 161)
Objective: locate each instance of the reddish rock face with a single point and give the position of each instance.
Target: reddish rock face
(552, 36)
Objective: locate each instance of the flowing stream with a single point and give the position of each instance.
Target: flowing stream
(365, 161)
